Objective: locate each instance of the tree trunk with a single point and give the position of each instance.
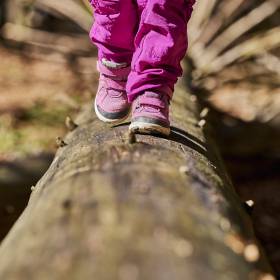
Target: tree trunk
(158, 208)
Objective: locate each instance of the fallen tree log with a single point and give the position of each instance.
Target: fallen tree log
(114, 207)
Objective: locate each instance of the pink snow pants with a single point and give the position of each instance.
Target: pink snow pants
(149, 35)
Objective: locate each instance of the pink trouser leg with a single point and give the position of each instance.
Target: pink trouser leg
(149, 34)
(160, 45)
(114, 29)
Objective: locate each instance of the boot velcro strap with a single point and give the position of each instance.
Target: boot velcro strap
(152, 101)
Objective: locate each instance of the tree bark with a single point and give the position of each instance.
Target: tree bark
(159, 208)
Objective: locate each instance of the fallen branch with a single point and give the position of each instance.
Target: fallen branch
(55, 42)
(70, 9)
(255, 46)
(235, 31)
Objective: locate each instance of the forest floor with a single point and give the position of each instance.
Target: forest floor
(37, 95)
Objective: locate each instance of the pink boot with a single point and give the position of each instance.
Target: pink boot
(150, 113)
(111, 104)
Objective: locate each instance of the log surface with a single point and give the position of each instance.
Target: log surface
(156, 209)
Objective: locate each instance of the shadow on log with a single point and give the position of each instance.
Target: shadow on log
(154, 209)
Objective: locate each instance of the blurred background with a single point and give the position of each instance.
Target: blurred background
(47, 72)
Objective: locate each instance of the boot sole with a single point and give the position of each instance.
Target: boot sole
(149, 128)
(106, 120)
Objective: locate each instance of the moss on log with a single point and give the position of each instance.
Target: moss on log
(159, 208)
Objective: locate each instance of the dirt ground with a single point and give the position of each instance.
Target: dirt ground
(36, 96)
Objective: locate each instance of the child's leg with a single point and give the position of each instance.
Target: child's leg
(161, 43)
(113, 33)
(114, 29)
